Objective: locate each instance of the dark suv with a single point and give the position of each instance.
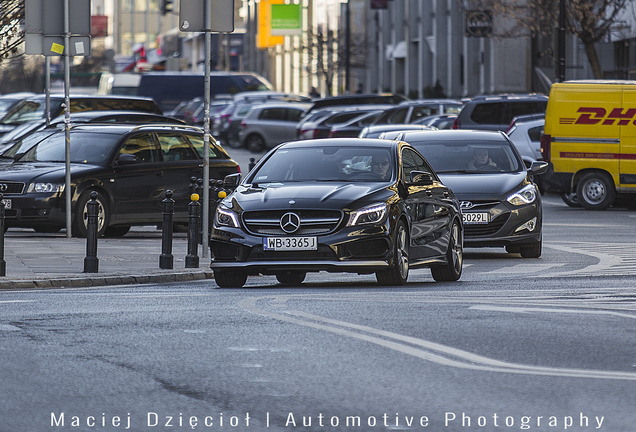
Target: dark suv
(497, 111)
(130, 167)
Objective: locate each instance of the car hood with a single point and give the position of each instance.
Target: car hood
(31, 171)
(477, 186)
(321, 195)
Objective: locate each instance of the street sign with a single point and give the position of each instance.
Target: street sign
(192, 15)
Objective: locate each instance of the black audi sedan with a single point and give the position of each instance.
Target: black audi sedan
(501, 205)
(338, 205)
(130, 167)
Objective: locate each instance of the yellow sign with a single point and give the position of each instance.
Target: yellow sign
(57, 48)
(264, 38)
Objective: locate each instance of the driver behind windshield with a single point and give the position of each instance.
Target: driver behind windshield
(481, 160)
(380, 166)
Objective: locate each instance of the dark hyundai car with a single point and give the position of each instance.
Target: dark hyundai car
(501, 205)
(338, 205)
(130, 166)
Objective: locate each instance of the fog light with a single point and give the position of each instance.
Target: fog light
(530, 225)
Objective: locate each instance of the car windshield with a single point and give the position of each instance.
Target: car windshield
(26, 143)
(86, 147)
(318, 164)
(469, 157)
(28, 110)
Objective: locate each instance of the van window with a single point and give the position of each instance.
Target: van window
(488, 113)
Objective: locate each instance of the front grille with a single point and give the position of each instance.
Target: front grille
(11, 187)
(312, 222)
(323, 253)
(491, 228)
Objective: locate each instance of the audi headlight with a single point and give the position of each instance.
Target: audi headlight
(45, 188)
(368, 215)
(225, 217)
(526, 195)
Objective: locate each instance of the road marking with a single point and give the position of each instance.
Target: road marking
(567, 311)
(423, 349)
(525, 268)
(17, 301)
(9, 327)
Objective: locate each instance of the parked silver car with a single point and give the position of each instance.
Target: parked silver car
(267, 125)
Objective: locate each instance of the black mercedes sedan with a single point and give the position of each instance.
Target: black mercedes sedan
(501, 205)
(338, 205)
(130, 167)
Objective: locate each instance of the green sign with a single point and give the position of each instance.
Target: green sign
(286, 20)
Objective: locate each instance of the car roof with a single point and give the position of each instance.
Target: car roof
(125, 127)
(456, 135)
(339, 142)
(93, 115)
(426, 102)
(507, 97)
(395, 126)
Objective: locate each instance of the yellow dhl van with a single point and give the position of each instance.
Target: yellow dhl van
(589, 141)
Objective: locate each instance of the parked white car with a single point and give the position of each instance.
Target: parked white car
(267, 125)
(525, 133)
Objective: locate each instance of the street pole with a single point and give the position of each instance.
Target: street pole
(561, 43)
(348, 49)
(67, 115)
(206, 132)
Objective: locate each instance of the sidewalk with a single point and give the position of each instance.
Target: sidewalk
(35, 260)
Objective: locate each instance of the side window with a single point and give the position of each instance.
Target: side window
(294, 115)
(197, 143)
(174, 147)
(412, 161)
(488, 113)
(399, 116)
(419, 112)
(142, 146)
(272, 114)
(535, 133)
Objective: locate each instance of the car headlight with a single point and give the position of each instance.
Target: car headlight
(225, 217)
(526, 195)
(45, 188)
(368, 215)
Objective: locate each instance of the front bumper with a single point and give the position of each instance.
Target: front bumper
(504, 226)
(35, 210)
(352, 249)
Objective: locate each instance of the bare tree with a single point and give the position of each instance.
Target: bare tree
(589, 20)
(11, 33)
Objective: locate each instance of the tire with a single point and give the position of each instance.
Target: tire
(291, 277)
(452, 271)
(533, 250)
(255, 143)
(398, 272)
(80, 219)
(230, 279)
(571, 199)
(116, 231)
(596, 191)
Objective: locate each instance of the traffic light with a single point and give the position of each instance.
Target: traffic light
(166, 6)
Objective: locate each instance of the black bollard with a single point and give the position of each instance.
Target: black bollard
(91, 262)
(194, 216)
(3, 263)
(193, 184)
(166, 259)
(251, 164)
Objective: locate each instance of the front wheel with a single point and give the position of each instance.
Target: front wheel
(80, 221)
(398, 272)
(227, 279)
(291, 277)
(570, 199)
(255, 143)
(596, 191)
(452, 271)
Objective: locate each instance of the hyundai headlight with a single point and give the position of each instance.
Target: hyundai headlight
(368, 215)
(524, 196)
(225, 217)
(45, 188)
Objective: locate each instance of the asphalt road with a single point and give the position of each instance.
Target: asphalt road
(545, 345)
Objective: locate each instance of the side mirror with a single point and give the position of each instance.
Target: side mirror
(539, 167)
(421, 178)
(231, 181)
(126, 159)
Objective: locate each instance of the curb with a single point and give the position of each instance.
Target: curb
(105, 280)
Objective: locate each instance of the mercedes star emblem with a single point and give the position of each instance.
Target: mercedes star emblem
(290, 222)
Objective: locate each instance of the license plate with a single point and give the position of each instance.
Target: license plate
(290, 243)
(7, 204)
(475, 218)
